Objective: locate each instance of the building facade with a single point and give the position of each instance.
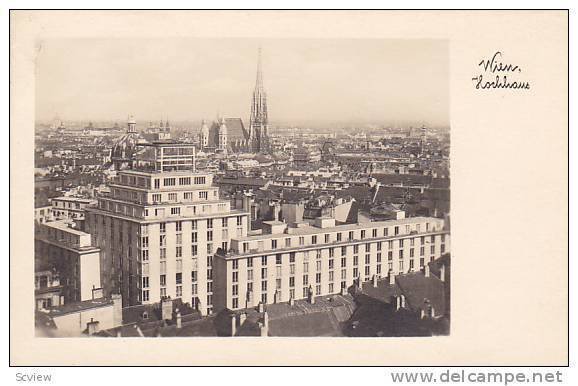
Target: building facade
(159, 228)
(66, 258)
(302, 261)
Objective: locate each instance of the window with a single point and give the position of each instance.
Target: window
(350, 236)
(157, 197)
(305, 267)
(145, 282)
(305, 279)
(411, 252)
(401, 265)
(169, 182)
(235, 303)
(401, 253)
(250, 262)
(179, 291)
(318, 278)
(330, 275)
(291, 281)
(379, 257)
(263, 260)
(264, 298)
(194, 276)
(263, 285)
(326, 238)
(287, 242)
(356, 260)
(184, 180)
(278, 284)
(331, 264)
(314, 240)
(356, 248)
(179, 252)
(343, 262)
(292, 257)
(209, 274)
(331, 252)
(401, 243)
(210, 223)
(203, 195)
(273, 244)
(367, 259)
(179, 278)
(432, 249)
(179, 227)
(239, 221)
(163, 240)
(235, 277)
(318, 265)
(145, 296)
(250, 275)
(339, 236)
(145, 254)
(209, 261)
(188, 196)
(263, 273)
(157, 183)
(163, 227)
(172, 197)
(343, 251)
(145, 242)
(362, 234)
(194, 250)
(210, 286)
(194, 224)
(235, 264)
(343, 274)
(278, 259)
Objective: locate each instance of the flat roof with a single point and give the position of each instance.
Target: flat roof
(311, 229)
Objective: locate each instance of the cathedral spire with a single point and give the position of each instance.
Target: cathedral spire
(259, 123)
(259, 82)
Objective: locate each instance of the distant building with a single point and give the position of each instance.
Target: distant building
(72, 208)
(230, 134)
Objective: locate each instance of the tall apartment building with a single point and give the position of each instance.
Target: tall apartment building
(294, 263)
(160, 226)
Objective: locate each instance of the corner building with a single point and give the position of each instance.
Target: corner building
(159, 228)
(295, 263)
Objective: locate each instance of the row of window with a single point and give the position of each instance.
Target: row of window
(327, 239)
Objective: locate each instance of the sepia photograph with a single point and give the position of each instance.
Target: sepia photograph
(242, 187)
(282, 188)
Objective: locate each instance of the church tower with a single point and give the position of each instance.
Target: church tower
(222, 137)
(204, 135)
(259, 122)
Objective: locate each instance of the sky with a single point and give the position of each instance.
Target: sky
(393, 82)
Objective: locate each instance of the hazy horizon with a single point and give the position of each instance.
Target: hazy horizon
(371, 81)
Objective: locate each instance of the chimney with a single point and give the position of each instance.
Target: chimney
(311, 296)
(443, 273)
(397, 303)
(359, 282)
(374, 280)
(242, 318)
(179, 318)
(233, 325)
(427, 270)
(266, 319)
(139, 331)
(92, 327)
(263, 329)
(261, 307)
(402, 297)
(433, 313)
(166, 309)
(422, 313)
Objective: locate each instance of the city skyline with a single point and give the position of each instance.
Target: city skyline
(360, 81)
